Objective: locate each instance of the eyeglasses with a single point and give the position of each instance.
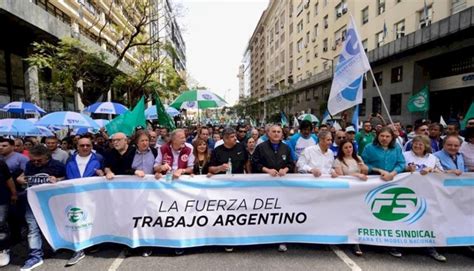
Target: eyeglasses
(240, 131)
(85, 145)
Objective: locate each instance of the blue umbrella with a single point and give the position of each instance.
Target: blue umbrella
(150, 112)
(107, 108)
(19, 127)
(23, 108)
(67, 119)
(101, 122)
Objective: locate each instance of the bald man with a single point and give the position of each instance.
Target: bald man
(118, 161)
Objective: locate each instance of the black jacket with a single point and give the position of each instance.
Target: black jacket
(265, 156)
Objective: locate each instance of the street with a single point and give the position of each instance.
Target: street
(298, 257)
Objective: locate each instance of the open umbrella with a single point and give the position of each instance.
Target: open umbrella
(20, 127)
(101, 122)
(198, 99)
(310, 117)
(150, 112)
(23, 108)
(67, 119)
(107, 108)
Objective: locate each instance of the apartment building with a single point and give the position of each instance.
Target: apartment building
(102, 25)
(257, 61)
(405, 40)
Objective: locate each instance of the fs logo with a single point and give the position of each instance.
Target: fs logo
(391, 202)
(75, 214)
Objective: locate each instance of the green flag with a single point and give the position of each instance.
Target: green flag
(163, 118)
(469, 114)
(126, 123)
(420, 102)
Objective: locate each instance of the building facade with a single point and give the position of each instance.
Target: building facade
(404, 40)
(102, 25)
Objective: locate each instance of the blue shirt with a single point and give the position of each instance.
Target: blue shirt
(447, 162)
(16, 162)
(391, 159)
(298, 143)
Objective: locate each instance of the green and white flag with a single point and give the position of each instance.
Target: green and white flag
(420, 102)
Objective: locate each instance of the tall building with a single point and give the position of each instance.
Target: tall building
(410, 44)
(102, 25)
(240, 76)
(165, 29)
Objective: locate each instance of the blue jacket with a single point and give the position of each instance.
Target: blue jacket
(447, 163)
(72, 170)
(389, 160)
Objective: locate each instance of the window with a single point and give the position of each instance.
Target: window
(340, 36)
(361, 109)
(378, 76)
(307, 38)
(395, 104)
(376, 105)
(307, 17)
(299, 63)
(379, 37)
(299, 45)
(397, 74)
(308, 57)
(365, 15)
(426, 15)
(315, 51)
(299, 26)
(325, 20)
(325, 45)
(380, 6)
(316, 6)
(315, 32)
(290, 49)
(399, 29)
(365, 44)
(290, 28)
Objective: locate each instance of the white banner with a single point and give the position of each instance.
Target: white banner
(412, 211)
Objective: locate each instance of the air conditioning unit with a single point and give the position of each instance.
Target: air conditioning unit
(344, 8)
(325, 49)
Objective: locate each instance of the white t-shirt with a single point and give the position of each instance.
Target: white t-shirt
(428, 160)
(82, 163)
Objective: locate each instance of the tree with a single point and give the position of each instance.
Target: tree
(69, 61)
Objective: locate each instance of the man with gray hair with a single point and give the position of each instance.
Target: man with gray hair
(175, 156)
(119, 159)
(317, 159)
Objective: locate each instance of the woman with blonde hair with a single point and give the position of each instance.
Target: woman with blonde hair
(419, 158)
(202, 154)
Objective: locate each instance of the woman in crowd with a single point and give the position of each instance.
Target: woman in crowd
(347, 162)
(384, 157)
(203, 156)
(420, 159)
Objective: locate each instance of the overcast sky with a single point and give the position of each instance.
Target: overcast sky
(216, 33)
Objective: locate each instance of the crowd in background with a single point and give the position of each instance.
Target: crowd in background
(385, 150)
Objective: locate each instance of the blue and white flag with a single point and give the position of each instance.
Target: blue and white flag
(346, 88)
(325, 117)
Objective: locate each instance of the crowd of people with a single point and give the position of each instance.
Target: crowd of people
(385, 150)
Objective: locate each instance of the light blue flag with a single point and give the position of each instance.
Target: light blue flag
(325, 117)
(283, 119)
(346, 88)
(355, 118)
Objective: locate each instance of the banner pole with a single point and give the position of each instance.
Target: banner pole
(381, 97)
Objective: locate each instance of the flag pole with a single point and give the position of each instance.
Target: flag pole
(381, 97)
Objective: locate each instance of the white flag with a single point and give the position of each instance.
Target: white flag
(346, 88)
